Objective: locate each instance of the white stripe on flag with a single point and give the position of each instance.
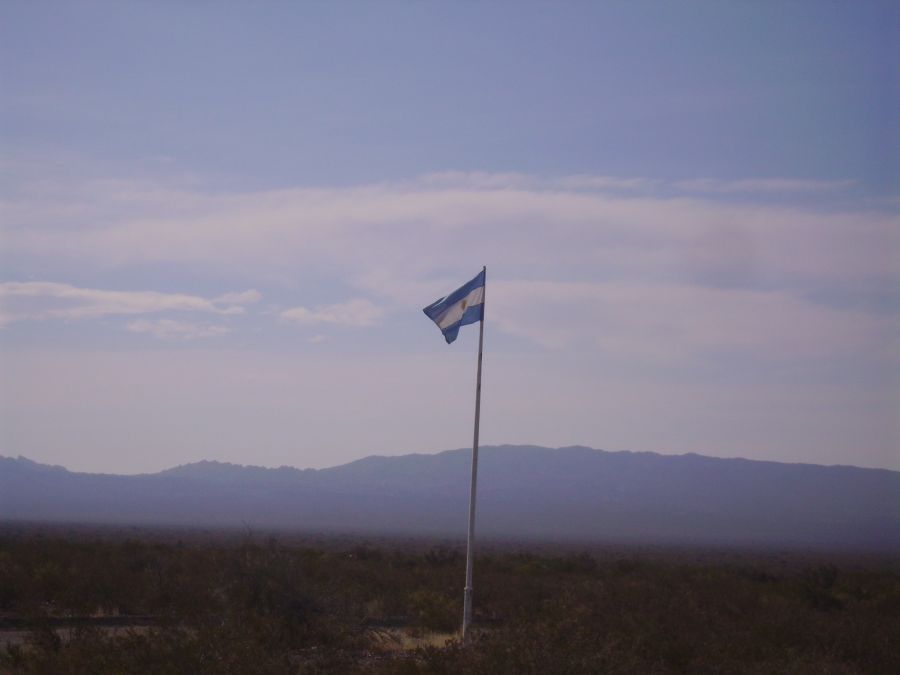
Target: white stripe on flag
(454, 312)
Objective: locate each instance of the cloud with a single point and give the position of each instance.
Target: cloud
(244, 298)
(172, 331)
(357, 313)
(784, 185)
(588, 182)
(421, 228)
(670, 322)
(49, 300)
(564, 247)
(481, 180)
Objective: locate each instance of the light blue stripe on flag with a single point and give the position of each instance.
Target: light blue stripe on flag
(463, 306)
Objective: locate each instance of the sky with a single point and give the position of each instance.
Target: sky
(219, 223)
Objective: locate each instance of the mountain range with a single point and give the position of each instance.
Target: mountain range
(564, 494)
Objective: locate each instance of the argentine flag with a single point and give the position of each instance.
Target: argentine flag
(463, 306)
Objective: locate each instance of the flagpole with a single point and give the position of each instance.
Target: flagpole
(467, 598)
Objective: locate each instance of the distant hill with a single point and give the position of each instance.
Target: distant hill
(573, 493)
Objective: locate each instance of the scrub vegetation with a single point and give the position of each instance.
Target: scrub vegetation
(263, 604)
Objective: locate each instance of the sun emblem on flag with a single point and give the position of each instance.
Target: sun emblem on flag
(464, 303)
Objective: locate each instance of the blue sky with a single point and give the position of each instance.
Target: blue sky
(220, 222)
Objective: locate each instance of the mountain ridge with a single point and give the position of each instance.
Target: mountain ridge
(573, 492)
(185, 469)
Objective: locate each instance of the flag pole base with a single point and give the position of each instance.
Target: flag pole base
(467, 614)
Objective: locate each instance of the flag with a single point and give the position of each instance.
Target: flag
(463, 306)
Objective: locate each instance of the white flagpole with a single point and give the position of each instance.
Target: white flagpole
(467, 599)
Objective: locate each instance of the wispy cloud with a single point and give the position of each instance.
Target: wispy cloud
(243, 298)
(49, 300)
(481, 180)
(171, 330)
(417, 226)
(782, 185)
(670, 322)
(593, 246)
(357, 313)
